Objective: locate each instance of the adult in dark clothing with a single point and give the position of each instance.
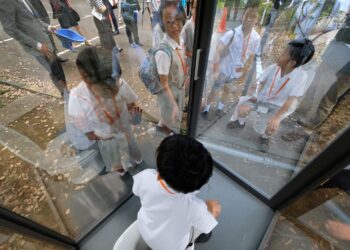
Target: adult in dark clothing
(128, 12)
(43, 16)
(315, 107)
(21, 21)
(114, 19)
(102, 23)
(66, 15)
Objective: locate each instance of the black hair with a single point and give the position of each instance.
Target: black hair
(301, 51)
(180, 11)
(184, 163)
(97, 64)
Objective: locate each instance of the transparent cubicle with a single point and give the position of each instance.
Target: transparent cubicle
(264, 87)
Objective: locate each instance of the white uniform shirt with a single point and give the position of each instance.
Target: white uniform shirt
(165, 220)
(83, 117)
(240, 50)
(294, 85)
(163, 61)
(157, 35)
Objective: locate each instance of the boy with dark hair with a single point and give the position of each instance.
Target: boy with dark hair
(171, 216)
(277, 90)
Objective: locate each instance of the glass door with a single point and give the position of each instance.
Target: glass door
(274, 92)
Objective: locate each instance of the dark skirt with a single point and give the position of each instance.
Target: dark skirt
(67, 18)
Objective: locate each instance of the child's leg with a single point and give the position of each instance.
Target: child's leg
(241, 110)
(135, 151)
(128, 33)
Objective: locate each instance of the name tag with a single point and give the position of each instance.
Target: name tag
(263, 110)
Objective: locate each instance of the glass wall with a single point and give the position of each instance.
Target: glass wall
(84, 102)
(319, 220)
(276, 89)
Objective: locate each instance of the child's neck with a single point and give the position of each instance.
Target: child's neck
(285, 70)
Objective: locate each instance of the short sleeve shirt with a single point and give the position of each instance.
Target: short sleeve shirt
(240, 49)
(277, 89)
(165, 219)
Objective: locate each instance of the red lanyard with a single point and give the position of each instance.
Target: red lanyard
(161, 182)
(184, 68)
(245, 48)
(273, 84)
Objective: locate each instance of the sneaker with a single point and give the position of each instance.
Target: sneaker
(120, 49)
(234, 124)
(263, 144)
(202, 238)
(62, 60)
(204, 114)
(133, 45)
(116, 33)
(139, 44)
(219, 112)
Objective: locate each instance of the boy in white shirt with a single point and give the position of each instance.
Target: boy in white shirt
(234, 51)
(171, 216)
(277, 90)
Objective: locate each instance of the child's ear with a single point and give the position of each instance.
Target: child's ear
(292, 63)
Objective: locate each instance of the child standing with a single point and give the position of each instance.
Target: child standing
(171, 216)
(277, 90)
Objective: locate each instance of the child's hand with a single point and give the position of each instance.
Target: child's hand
(214, 207)
(338, 230)
(273, 126)
(136, 115)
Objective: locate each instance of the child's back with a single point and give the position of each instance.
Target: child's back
(168, 218)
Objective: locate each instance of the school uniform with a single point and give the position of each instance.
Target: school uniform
(175, 68)
(167, 219)
(108, 119)
(276, 90)
(239, 51)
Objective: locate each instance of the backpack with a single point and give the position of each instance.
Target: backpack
(148, 69)
(127, 11)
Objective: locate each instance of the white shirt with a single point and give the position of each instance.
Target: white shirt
(163, 61)
(85, 115)
(240, 50)
(165, 220)
(157, 35)
(273, 91)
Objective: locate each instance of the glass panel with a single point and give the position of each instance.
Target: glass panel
(320, 220)
(276, 90)
(75, 118)
(11, 240)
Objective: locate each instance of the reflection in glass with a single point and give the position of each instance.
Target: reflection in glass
(68, 149)
(319, 220)
(276, 87)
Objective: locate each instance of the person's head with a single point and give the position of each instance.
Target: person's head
(297, 53)
(183, 163)
(172, 18)
(250, 15)
(95, 67)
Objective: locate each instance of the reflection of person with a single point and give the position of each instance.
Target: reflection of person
(114, 19)
(308, 13)
(129, 9)
(232, 54)
(187, 34)
(98, 111)
(172, 70)
(279, 88)
(184, 166)
(102, 23)
(66, 15)
(43, 16)
(21, 21)
(319, 101)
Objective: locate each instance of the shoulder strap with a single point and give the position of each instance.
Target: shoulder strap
(166, 48)
(233, 36)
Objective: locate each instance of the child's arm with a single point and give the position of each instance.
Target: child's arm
(275, 121)
(214, 207)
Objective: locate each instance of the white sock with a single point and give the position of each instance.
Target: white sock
(221, 106)
(206, 108)
(241, 120)
(265, 136)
